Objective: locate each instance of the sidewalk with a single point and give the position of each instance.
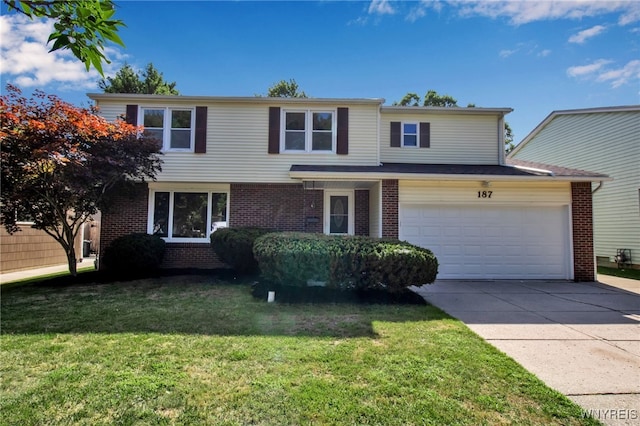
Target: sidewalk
(87, 263)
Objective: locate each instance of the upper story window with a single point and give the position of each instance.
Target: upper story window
(309, 131)
(173, 126)
(410, 135)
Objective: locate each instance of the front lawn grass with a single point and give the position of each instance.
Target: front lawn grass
(630, 273)
(200, 350)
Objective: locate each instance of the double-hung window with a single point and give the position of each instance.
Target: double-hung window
(173, 126)
(309, 131)
(187, 216)
(410, 135)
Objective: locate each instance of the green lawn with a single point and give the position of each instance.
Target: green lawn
(633, 274)
(198, 350)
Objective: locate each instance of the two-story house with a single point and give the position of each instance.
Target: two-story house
(435, 177)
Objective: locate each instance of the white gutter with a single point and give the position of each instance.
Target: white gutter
(376, 176)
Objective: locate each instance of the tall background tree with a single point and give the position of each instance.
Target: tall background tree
(149, 81)
(82, 26)
(285, 89)
(58, 163)
(432, 98)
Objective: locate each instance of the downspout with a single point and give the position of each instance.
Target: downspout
(598, 187)
(501, 152)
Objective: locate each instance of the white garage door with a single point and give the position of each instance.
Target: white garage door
(491, 242)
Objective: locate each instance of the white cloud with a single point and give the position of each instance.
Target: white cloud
(621, 76)
(505, 53)
(586, 70)
(600, 71)
(544, 53)
(523, 12)
(381, 7)
(25, 59)
(583, 35)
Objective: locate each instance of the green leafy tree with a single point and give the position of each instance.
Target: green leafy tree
(431, 98)
(285, 89)
(59, 162)
(82, 26)
(148, 81)
(508, 138)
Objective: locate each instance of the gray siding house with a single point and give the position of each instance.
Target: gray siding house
(603, 140)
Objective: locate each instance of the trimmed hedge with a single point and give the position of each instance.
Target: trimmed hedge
(135, 254)
(343, 262)
(234, 246)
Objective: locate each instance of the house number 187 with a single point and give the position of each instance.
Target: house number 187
(484, 194)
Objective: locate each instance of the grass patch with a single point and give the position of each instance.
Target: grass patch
(633, 274)
(200, 350)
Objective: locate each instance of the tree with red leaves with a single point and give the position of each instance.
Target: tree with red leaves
(59, 161)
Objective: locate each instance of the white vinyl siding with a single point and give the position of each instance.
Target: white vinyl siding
(455, 139)
(522, 193)
(603, 142)
(237, 144)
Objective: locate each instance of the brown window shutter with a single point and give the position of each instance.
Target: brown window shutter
(274, 130)
(342, 147)
(396, 134)
(425, 135)
(201, 130)
(132, 115)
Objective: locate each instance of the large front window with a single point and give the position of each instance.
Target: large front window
(309, 131)
(173, 126)
(187, 216)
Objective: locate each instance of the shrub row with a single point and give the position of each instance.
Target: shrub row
(343, 262)
(234, 246)
(134, 254)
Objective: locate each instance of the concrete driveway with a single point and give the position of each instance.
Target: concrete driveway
(582, 339)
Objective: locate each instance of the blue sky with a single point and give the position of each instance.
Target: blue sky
(534, 57)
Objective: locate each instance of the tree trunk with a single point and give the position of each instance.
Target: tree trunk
(73, 262)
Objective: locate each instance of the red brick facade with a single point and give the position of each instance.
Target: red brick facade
(390, 208)
(362, 213)
(289, 207)
(283, 207)
(582, 213)
(127, 214)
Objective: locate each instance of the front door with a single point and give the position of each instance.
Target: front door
(338, 212)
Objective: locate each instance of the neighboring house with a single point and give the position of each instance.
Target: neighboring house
(436, 177)
(604, 140)
(32, 248)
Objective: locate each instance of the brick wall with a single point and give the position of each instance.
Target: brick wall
(582, 213)
(191, 255)
(284, 207)
(390, 208)
(361, 219)
(126, 214)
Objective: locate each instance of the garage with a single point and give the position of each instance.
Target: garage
(507, 238)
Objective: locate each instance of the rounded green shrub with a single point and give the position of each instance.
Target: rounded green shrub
(344, 262)
(234, 246)
(134, 254)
